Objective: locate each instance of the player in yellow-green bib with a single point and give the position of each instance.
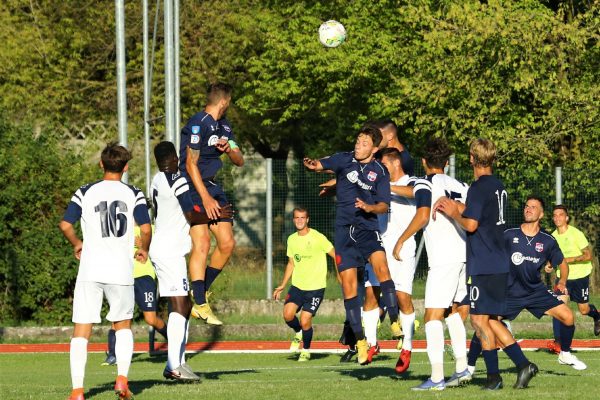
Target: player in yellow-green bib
(578, 254)
(307, 266)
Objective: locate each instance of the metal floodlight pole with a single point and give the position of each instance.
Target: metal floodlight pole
(177, 107)
(169, 72)
(121, 77)
(147, 86)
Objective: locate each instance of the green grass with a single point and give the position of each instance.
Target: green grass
(276, 376)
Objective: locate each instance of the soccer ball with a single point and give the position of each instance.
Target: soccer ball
(332, 33)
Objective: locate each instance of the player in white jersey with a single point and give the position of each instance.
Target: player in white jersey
(175, 213)
(391, 225)
(446, 252)
(107, 210)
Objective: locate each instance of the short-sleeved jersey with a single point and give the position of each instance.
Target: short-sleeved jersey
(444, 238)
(528, 255)
(202, 133)
(486, 203)
(571, 243)
(309, 254)
(107, 210)
(401, 212)
(344, 165)
(171, 198)
(142, 269)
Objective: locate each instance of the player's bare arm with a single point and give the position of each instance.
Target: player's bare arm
(377, 208)
(328, 188)
(289, 269)
(586, 255)
(234, 153)
(191, 164)
(141, 254)
(68, 231)
(331, 253)
(454, 209)
(404, 191)
(564, 275)
(312, 165)
(420, 219)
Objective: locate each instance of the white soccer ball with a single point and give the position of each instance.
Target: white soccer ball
(332, 33)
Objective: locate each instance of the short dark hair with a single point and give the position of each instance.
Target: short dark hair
(392, 153)
(561, 207)
(536, 198)
(115, 157)
(437, 152)
(373, 132)
(217, 91)
(388, 124)
(302, 210)
(163, 150)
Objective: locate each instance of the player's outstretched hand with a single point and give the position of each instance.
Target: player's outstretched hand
(397, 250)
(141, 255)
(328, 188)
(277, 292)
(309, 163)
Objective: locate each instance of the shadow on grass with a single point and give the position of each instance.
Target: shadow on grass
(313, 356)
(137, 387)
(216, 375)
(367, 373)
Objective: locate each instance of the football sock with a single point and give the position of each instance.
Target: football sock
(307, 336)
(370, 320)
(211, 275)
(185, 339)
(199, 292)
(347, 338)
(352, 307)
(515, 353)
(163, 331)
(491, 361)
(434, 333)
(111, 342)
(124, 350)
(474, 350)
(556, 329)
(566, 336)
(388, 295)
(458, 337)
(408, 327)
(78, 359)
(593, 312)
(294, 324)
(176, 328)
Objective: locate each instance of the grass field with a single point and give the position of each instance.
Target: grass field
(276, 376)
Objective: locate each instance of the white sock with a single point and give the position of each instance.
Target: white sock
(408, 327)
(123, 350)
(78, 357)
(176, 332)
(434, 332)
(458, 336)
(370, 320)
(185, 339)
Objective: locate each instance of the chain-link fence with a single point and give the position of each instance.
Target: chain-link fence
(293, 186)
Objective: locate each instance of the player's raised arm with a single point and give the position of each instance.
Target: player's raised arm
(191, 164)
(312, 165)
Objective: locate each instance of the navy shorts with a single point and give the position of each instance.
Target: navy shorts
(215, 191)
(487, 294)
(579, 289)
(308, 300)
(145, 293)
(354, 246)
(537, 303)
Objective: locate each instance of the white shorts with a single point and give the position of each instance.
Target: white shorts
(87, 302)
(402, 273)
(172, 276)
(370, 277)
(445, 285)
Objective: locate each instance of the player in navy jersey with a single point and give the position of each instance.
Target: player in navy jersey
(209, 134)
(107, 210)
(487, 261)
(530, 249)
(363, 191)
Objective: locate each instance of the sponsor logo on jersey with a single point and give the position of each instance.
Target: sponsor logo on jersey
(518, 258)
(175, 176)
(372, 176)
(516, 240)
(213, 140)
(539, 247)
(297, 257)
(227, 128)
(195, 139)
(195, 129)
(352, 176)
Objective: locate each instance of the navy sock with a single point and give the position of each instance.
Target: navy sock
(566, 336)
(515, 353)
(199, 292)
(112, 340)
(307, 337)
(162, 331)
(491, 361)
(294, 324)
(474, 350)
(388, 294)
(352, 307)
(556, 329)
(594, 312)
(210, 276)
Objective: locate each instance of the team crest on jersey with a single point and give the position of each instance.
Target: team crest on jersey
(213, 140)
(539, 247)
(195, 139)
(372, 176)
(195, 129)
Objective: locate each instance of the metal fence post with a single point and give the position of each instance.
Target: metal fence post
(269, 227)
(558, 178)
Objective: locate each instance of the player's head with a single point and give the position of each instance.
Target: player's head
(301, 218)
(219, 95)
(482, 152)
(367, 142)
(534, 209)
(436, 153)
(166, 157)
(388, 128)
(391, 158)
(560, 215)
(114, 158)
